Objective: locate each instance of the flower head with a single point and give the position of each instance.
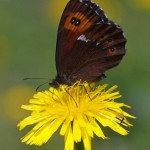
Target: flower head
(78, 110)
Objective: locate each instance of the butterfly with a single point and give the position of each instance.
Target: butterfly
(88, 43)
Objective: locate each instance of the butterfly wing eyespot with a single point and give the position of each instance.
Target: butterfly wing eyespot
(112, 50)
(75, 21)
(110, 40)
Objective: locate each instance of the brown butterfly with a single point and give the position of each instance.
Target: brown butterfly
(88, 43)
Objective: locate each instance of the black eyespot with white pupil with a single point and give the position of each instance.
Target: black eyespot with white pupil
(75, 21)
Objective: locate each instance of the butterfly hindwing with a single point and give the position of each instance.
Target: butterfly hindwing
(88, 43)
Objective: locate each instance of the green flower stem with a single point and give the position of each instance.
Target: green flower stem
(79, 146)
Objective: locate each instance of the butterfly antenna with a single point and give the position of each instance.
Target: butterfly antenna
(33, 78)
(41, 85)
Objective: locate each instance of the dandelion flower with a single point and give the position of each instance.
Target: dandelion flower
(78, 111)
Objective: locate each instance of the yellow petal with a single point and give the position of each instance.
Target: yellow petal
(76, 131)
(69, 141)
(65, 126)
(86, 139)
(96, 128)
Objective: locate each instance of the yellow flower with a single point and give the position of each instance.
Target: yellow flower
(78, 110)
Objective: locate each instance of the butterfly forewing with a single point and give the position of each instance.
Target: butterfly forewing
(68, 32)
(88, 43)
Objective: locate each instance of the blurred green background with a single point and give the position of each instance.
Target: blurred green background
(27, 47)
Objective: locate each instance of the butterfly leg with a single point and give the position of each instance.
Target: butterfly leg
(70, 94)
(82, 85)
